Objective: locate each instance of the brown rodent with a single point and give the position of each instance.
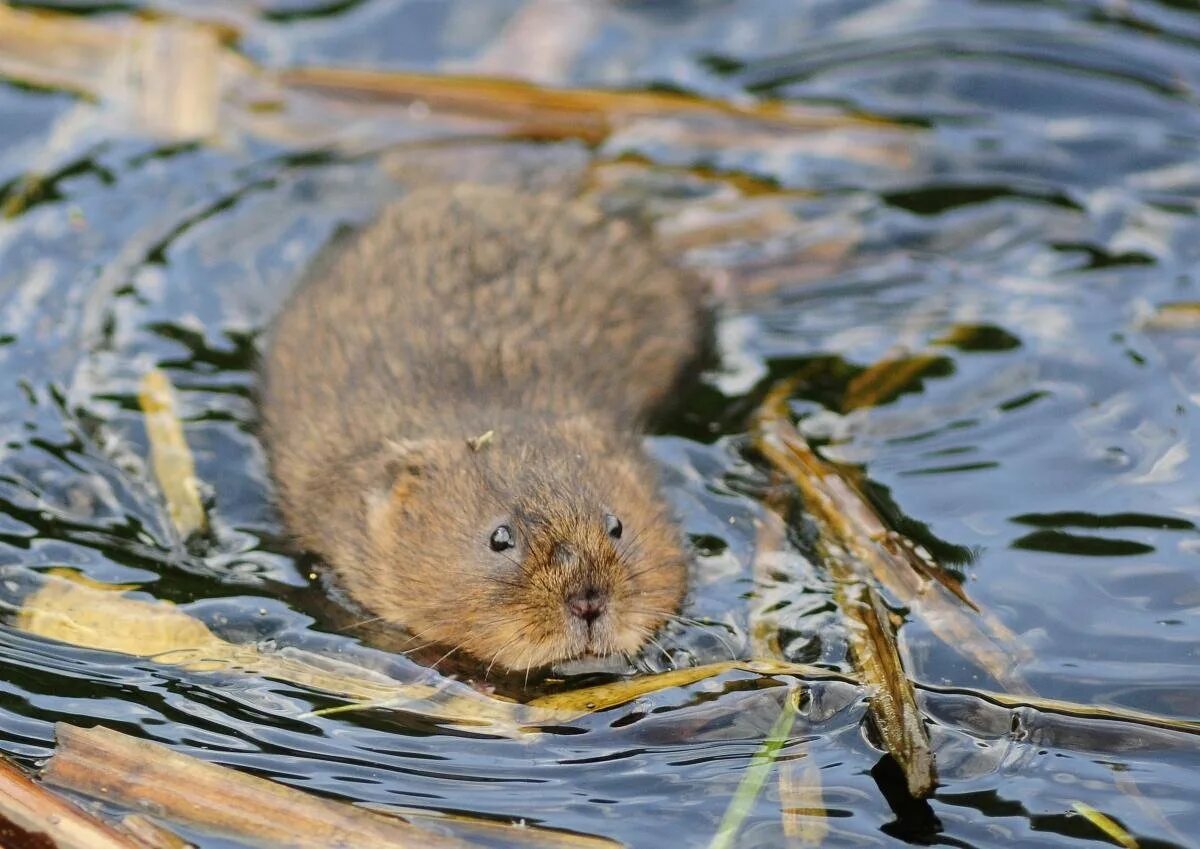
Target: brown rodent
(466, 310)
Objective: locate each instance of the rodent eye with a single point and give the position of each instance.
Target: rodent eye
(502, 539)
(613, 526)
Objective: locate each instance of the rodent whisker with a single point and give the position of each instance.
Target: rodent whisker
(520, 633)
(510, 559)
(434, 665)
(665, 653)
(686, 621)
(521, 658)
(632, 661)
(506, 582)
(415, 636)
(634, 542)
(496, 620)
(354, 625)
(645, 570)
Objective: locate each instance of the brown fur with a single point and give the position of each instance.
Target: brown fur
(469, 309)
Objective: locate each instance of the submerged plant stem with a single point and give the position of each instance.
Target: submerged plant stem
(756, 774)
(801, 806)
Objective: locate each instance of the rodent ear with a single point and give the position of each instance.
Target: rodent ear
(400, 465)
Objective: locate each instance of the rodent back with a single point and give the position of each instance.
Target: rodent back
(471, 294)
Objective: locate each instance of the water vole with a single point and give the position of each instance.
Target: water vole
(461, 311)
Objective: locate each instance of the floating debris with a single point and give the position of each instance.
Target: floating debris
(145, 776)
(574, 703)
(477, 443)
(885, 380)
(1178, 315)
(849, 524)
(978, 337)
(180, 77)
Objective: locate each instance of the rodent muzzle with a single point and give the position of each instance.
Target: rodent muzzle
(589, 602)
(588, 605)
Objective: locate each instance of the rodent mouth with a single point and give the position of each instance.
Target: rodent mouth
(571, 640)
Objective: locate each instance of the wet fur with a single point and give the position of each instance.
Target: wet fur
(469, 309)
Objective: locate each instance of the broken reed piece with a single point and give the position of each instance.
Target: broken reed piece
(571, 704)
(179, 78)
(71, 609)
(56, 51)
(179, 70)
(886, 379)
(141, 775)
(876, 656)
(174, 467)
(578, 113)
(875, 551)
(1106, 824)
(30, 815)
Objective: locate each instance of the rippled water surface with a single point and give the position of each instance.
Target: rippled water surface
(1006, 190)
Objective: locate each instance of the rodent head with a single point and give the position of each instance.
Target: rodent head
(550, 542)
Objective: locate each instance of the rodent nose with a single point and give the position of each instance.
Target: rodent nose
(587, 605)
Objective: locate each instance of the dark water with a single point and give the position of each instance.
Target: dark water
(1034, 178)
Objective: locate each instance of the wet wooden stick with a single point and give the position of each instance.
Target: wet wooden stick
(30, 815)
(874, 651)
(152, 833)
(141, 775)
